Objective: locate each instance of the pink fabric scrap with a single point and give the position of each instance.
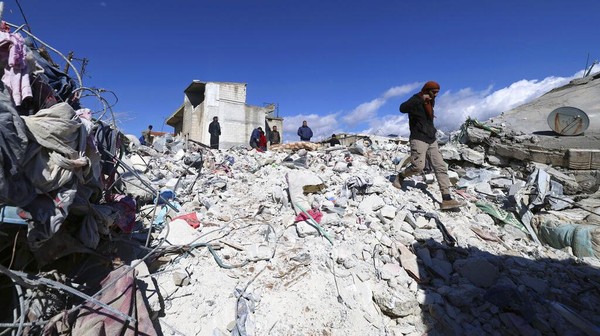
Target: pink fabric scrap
(191, 218)
(16, 75)
(126, 207)
(314, 213)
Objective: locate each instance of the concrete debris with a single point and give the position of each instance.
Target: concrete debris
(175, 238)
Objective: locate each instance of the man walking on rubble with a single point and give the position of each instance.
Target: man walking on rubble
(423, 143)
(214, 129)
(304, 132)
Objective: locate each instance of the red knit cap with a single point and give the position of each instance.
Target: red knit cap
(431, 85)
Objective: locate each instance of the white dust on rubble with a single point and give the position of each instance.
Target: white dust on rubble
(388, 271)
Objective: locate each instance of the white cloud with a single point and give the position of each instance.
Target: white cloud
(363, 111)
(452, 109)
(368, 110)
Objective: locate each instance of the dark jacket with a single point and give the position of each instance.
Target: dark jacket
(254, 137)
(214, 128)
(274, 137)
(421, 126)
(305, 133)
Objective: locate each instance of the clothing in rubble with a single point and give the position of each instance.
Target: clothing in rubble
(262, 141)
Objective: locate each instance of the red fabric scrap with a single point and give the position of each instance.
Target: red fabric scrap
(191, 218)
(314, 213)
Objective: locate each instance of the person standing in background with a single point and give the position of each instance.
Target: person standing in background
(334, 140)
(255, 136)
(262, 141)
(274, 136)
(304, 132)
(148, 137)
(215, 132)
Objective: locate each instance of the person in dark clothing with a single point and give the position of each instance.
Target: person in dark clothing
(304, 132)
(334, 140)
(255, 137)
(274, 136)
(215, 131)
(423, 143)
(148, 137)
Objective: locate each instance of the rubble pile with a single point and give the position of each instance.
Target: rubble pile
(319, 242)
(306, 240)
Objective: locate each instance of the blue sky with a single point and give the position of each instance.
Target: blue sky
(344, 66)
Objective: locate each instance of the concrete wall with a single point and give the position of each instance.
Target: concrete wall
(225, 101)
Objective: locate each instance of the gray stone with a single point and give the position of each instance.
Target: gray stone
(388, 211)
(259, 252)
(423, 254)
(340, 167)
(371, 203)
(498, 161)
(478, 271)
(404, 238)
(423, 223)
(398, 302)
(386, 241)
(472, 156)
(390, 270)
(464, 295)
(537, 284)
(501, 182)
(484, 219)
(181, 278)
(450, 152)
(425, 297)
(453, 176)
(410, 219)
(442, 267)
(423, 234)
(304, 229)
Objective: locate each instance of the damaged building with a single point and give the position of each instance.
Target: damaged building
(227, 101)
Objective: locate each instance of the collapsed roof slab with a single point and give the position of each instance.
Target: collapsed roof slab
(533, 116)
(573, 152)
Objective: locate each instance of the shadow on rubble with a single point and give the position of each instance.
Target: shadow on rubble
(473, 292)
(546, 133)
